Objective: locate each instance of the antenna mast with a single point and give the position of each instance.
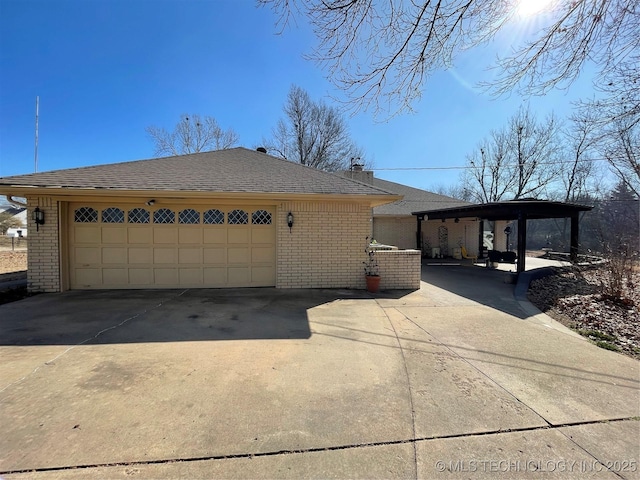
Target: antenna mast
(35, 168)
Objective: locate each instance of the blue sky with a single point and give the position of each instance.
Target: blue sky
(106, 69)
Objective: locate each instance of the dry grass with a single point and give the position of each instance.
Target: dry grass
(13, 261)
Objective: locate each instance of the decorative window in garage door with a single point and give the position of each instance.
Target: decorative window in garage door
(164, 215)
(261, 217)
(238, 217)
(139, 215)
(189, 216)
(85, 215)
(213, 217)
(112, 215)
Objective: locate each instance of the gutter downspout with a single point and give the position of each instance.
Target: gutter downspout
(15, 203)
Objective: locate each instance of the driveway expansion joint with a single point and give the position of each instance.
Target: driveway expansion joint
(314, 450)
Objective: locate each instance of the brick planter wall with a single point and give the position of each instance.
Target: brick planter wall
(399, 269)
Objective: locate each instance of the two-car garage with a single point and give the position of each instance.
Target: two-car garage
(171, 246)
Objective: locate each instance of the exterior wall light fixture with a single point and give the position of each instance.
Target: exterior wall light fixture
(38, 218)
(290, 220)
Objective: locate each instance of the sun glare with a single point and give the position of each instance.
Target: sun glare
(529, 8)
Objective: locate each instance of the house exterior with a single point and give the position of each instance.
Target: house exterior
(394, 224)
(215, 219)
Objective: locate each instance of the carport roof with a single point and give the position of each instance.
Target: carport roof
(235, 170)
(508, 210)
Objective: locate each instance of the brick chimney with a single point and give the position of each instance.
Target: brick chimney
(358, 173)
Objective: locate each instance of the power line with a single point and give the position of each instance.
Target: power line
(471, 167)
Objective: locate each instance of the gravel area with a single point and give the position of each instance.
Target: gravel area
(13, 261)
(575, 297)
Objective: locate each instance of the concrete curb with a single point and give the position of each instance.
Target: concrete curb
(525, 279)
(535, 314)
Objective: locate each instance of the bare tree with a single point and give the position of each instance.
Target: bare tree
(192, 134)
(382, 52)
(580, 140)
(313, 133)
(456, 191)
(620, 145)
(517, 161)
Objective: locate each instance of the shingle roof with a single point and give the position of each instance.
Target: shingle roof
(414, 199)
(237, 170)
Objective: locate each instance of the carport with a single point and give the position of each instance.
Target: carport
(520, 210)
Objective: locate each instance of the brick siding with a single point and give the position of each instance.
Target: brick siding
(326, 246)
(43, 264)
(397, 231)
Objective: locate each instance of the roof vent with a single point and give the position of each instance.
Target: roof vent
(261, 149)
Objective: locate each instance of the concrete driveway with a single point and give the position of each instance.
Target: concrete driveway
(457, 380)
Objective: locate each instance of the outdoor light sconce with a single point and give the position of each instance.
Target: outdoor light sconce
(457, 220)
(38, 217)
(150, 202)
(290, 220)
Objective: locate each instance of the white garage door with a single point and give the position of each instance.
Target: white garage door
(115, 246)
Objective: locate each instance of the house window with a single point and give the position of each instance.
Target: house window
(139, 215)
(164, 215)
(238, 217)
(261, 217)
(189, 216)
(85, 215)
(112, 215)
(213, 217)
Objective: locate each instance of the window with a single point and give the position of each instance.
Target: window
(164, 215)
(85, 215)
(112, 215)
(139, 215)
(213, 217)
(261, 217)
(189, 216)
(238, 217)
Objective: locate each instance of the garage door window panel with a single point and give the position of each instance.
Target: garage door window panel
(189, 216)
(261, 217)
(139, 215)
(112, 215)
(238, 217)
(213, 217)
(85, 215)
(164, 216)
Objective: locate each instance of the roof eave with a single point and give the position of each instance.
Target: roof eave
(69, 193)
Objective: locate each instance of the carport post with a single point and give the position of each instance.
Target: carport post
(573, 252)
(522, 241)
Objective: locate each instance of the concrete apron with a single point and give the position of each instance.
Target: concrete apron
(290, 384)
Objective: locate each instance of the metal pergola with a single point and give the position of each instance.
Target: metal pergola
(520, 210)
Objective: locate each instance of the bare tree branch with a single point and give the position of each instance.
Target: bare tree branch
(312, 133)
(192, 134)
(517, 161)
(381, 52)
